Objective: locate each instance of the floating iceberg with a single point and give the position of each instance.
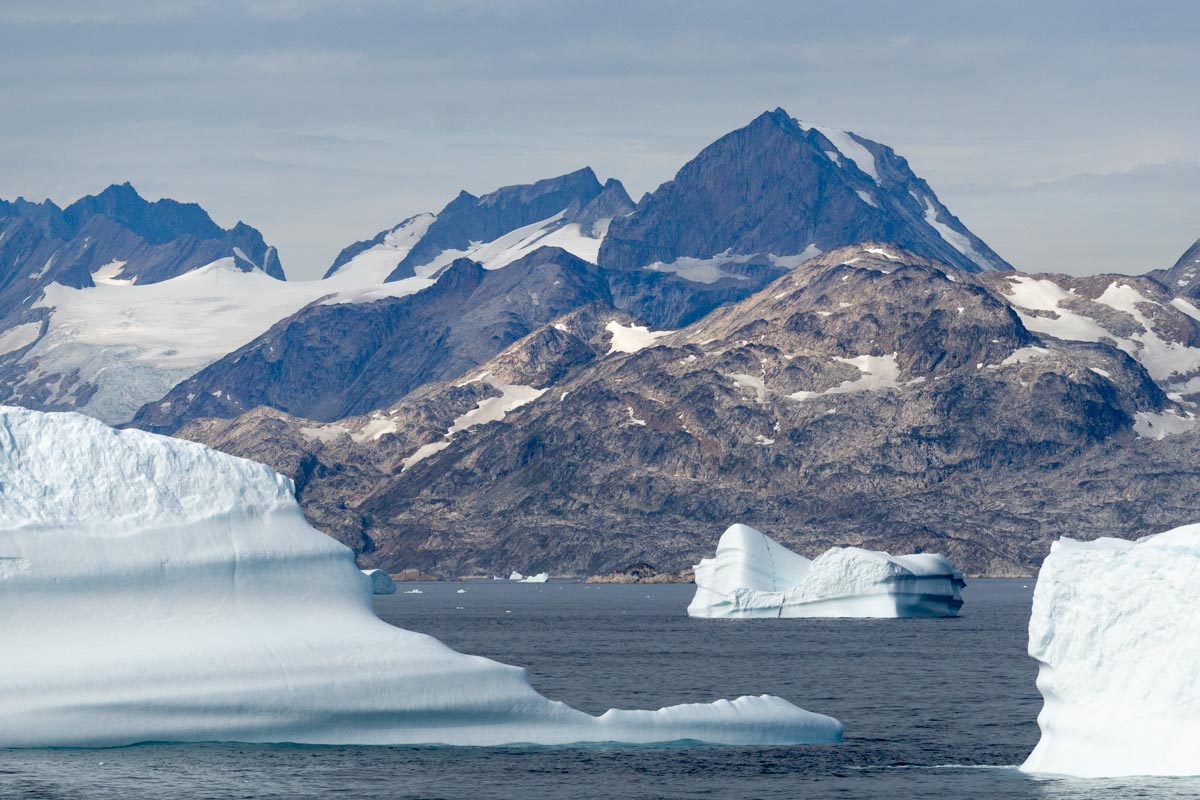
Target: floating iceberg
(152, 589)
(381, 582)
(753, 575)
(1115, 629)
(541, 577)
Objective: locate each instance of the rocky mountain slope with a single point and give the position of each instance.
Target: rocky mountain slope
(870, 396)
(745, 211)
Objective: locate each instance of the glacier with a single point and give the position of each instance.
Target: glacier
(1115, 630)
(154, 590)
(755, 576)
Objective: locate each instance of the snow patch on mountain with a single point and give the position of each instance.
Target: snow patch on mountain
(517, 244)
(1170, 363)
(19, 336)
(631, 338)
(1152, 425)
(878, 372)
(853, 150)
(952, 237)
(490, 409)
(377, 262)
(702, 270)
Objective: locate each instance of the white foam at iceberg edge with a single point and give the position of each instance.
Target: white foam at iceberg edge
(753, 575)
(155, 590)
(1115, 629)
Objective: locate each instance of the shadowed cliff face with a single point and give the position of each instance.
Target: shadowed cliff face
(869, 397)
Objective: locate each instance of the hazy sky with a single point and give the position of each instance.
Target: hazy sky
(1065, 134)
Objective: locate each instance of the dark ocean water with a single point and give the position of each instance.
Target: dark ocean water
(932, 708)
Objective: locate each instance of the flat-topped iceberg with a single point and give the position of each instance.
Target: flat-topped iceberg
(753, 575)
(381, 582)
(155, 590)
(1115, 629)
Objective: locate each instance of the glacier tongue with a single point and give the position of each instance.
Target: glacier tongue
(753, 575)
(155, 590)
(1115, 630)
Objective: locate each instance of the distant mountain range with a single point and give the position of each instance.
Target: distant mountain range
(794, 333)
(870, 397)
(747, 209)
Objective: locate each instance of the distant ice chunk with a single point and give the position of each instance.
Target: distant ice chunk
(381, 582)
(1115, 630)
(541, 577)
(753, 575)
(158, 591)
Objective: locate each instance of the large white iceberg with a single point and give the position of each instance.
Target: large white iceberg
(753, 575)
(155, 590)
(1115, 629)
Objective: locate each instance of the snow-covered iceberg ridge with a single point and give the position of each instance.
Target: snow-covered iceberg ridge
(753, 575)
(1115, 629)
(155, 590)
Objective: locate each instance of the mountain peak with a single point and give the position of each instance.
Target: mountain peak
(469, 219)
(779, 187)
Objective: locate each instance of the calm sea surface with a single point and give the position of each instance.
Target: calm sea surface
(932, 708)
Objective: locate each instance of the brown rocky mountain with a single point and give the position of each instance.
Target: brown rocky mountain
(869, 396)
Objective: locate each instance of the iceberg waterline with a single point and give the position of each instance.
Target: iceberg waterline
(155, 590)
(1115, 630)
(752, 575)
